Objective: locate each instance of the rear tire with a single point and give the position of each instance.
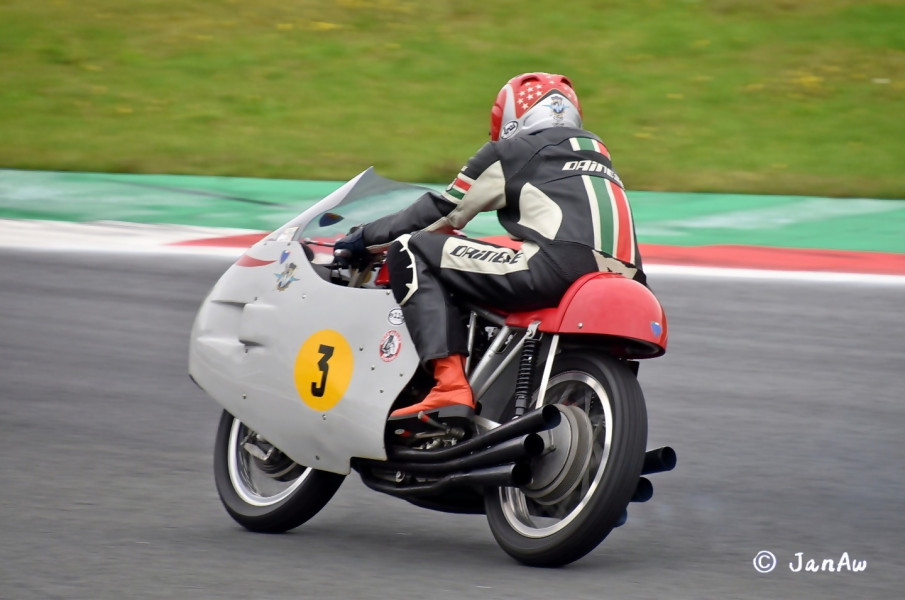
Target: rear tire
(269, 495)
(555, 524)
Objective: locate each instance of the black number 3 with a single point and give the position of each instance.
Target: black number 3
(326, 352)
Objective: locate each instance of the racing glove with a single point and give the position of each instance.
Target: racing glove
(351, 250)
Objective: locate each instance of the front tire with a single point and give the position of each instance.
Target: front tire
(261, 488)
(565, 516)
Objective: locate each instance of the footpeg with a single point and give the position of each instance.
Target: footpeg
(426, 418)
(450, 422)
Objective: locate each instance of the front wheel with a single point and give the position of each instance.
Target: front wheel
(582, 487)
(261, 488)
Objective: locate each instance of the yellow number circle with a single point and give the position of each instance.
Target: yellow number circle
(323, 369)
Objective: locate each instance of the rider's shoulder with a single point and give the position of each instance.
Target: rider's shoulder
(543, 137)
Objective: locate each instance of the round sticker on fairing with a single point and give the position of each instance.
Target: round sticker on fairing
(390, 345)
(395, 316)
(323, 369)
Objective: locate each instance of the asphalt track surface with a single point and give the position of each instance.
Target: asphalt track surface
(783, 400)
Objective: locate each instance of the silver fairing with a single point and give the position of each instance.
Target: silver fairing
(312, 366)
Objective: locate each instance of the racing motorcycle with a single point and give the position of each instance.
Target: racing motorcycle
(308, 358)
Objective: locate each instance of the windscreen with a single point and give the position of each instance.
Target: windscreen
(372, 197)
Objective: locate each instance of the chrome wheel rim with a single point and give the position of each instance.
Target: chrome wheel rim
(253, 485)
(535, 520)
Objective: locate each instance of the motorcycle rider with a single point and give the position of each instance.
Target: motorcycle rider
(553, 188)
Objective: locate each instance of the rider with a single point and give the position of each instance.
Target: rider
(554, 189)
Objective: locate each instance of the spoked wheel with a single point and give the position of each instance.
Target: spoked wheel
(579, 489)
(263, 489)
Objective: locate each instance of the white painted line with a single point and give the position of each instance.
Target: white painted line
(772, 275)
(138, 238)
(112, 236)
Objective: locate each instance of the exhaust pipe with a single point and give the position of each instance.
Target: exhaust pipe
(659, 460)
(541, 419)
(644, 491)
(515, 474)
(509, 451)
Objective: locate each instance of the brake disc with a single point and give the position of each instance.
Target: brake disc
(558, 473)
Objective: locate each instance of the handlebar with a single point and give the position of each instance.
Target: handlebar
(343, 257)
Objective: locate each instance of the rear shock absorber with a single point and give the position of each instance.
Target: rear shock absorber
(524, 381)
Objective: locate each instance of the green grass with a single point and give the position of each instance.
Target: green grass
(777, 96)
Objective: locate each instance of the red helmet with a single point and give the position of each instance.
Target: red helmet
(534, 101)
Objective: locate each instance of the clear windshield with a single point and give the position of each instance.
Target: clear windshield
(370, 198)
(362, 200)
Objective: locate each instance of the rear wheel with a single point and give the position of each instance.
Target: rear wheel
(581, 488)
(263, 489)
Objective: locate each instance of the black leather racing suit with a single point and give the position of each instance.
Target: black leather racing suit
(554, 190)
